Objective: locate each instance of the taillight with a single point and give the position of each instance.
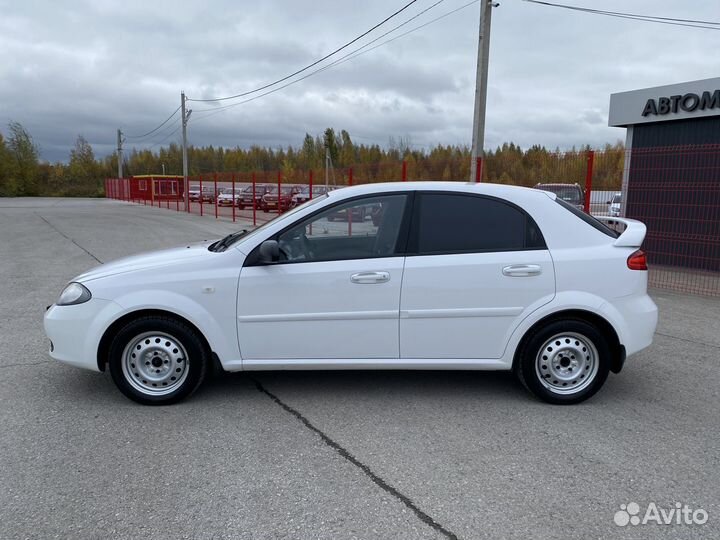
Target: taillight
(637, 260)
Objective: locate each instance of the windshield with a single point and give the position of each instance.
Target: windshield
(616, 199)
(273, 190)
(267, 224)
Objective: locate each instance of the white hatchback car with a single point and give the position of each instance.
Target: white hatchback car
(438, 275)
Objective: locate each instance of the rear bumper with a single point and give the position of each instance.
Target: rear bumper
(635, 319)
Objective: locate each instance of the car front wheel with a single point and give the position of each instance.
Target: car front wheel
(157, 360)
(565, 362)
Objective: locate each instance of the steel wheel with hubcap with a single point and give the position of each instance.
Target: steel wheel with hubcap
(157, 360)
(155, 363)
(564, 362)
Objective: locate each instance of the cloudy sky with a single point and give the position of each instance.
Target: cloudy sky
(88, 68)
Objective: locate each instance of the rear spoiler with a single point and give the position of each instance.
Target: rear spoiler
(634, 232)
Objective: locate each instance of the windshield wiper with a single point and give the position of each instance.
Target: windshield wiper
(224, 243)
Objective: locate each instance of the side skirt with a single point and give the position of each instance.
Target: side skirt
(374, 363)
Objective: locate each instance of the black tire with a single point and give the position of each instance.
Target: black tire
(190, 361)
(564, 362)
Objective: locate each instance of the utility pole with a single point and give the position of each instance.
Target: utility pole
(478, 140)
(327, 167)
(185, 116)
(119, 153)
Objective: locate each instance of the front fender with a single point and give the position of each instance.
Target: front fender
(221, 335)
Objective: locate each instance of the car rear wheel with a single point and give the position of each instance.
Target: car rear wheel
(157, 360)
(564, 362)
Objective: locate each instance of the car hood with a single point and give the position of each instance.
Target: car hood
(146, 261)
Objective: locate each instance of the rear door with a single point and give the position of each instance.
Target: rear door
(476, 267)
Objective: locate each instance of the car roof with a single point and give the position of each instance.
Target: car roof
(479, 188)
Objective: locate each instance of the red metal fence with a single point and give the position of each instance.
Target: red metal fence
(674, 191)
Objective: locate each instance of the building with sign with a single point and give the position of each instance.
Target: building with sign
(670, 179)
(678, 114)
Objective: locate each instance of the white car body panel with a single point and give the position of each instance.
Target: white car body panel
(440, 297)
(285, 311)
(75, 330)
(310, 316)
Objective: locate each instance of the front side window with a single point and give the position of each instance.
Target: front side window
(358, 229)
(456, 223)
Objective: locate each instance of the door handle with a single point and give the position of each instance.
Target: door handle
(522, 270)
(370, 277)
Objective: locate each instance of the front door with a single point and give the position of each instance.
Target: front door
(335, 293)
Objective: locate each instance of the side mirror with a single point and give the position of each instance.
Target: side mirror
(269, 252)
(609, 202)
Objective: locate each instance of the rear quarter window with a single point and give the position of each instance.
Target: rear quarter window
(461, 223)
(587, 218)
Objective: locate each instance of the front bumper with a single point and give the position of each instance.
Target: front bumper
(75, 331)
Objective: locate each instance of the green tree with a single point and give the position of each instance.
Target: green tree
(331, 144)
(24, 160)
(83, 170)
(7, 179)
(347, 150)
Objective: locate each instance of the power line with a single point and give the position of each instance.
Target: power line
(166, 133)
(339, 60)
(153, 130)
(353, 54)
(166, 138)
(621, 13)
(316, 62)
(691, 23)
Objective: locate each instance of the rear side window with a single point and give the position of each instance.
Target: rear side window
(587, 218)
(457, 223)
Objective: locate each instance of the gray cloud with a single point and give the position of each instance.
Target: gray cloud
(91, 67)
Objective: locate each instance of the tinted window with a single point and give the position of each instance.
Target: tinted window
(448, 223)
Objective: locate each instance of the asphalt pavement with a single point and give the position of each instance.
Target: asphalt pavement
(332, 454)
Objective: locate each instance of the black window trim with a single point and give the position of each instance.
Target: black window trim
(400, 246)
(413, 238)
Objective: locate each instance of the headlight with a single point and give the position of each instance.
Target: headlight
(74, 293)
